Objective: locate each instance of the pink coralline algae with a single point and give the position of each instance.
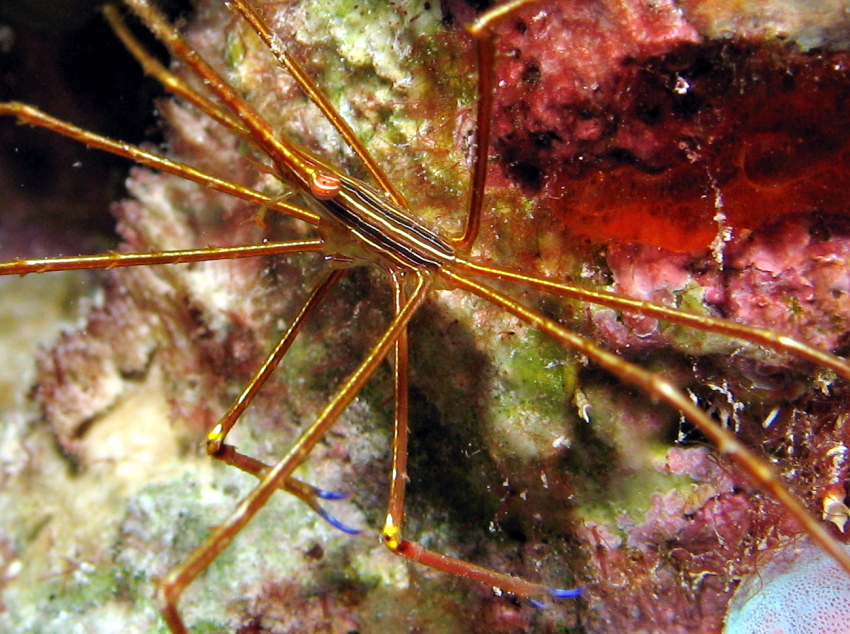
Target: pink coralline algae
(795, 276)
(790, 275)
(674, 512)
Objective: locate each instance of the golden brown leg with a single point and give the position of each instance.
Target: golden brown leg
(659, 388)
(172, 586)
(392, 530)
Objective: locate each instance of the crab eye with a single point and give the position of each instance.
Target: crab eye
(324, 186)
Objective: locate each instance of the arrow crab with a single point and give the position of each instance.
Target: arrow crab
(530, 413)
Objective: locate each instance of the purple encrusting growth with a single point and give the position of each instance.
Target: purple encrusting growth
(799, 591)
(791, 275)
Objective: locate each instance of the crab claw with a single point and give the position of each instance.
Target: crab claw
(558, 593)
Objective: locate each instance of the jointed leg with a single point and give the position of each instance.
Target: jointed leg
(392, 530)
(113, 260)
(485, 53)
(401, 394)
(216, 437)
(176, 581)
(228, 454)
(659, 388)
(34, 116)
(307, 493)
(767, 338)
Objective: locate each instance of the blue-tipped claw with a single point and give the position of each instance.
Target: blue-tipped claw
(558, 593)
(330, 519)
(329, 495)
(310, 494)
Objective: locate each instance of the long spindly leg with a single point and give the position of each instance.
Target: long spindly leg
(485, 55)
(659, 388)
(228, 454)
(401, 430)
(767, 338)
(393, 524)
(171, 82)
(28, 114)
(218, 434)
(113, 260)
(172, 586)
(33, 116)
(278, 49)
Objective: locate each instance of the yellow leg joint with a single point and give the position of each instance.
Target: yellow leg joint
(392, 534)
(214, 440)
